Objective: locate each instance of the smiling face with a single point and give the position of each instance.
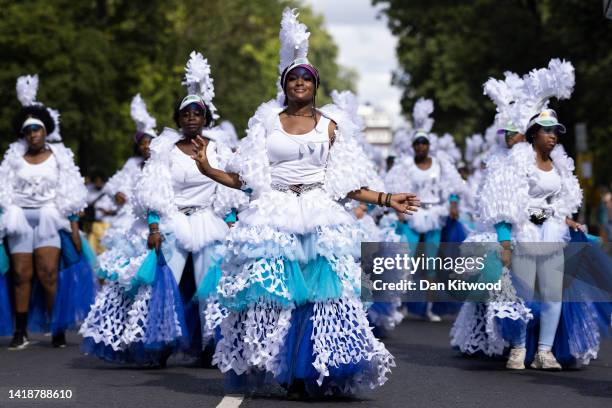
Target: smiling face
(35, 136)
(192, 119)
(300, 85)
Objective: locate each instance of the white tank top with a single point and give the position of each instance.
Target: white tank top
(36, 184)
(427, 183)
(298, 159)
(191, 188)
(543, 185)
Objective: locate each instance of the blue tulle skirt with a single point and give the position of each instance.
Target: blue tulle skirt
(296, 362)
(162, 336)
(6, 313)
(75, 291)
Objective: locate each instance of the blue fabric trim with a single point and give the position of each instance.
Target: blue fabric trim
(146, 272)
(4, 260)
(231, 216)
(73, 217)
(453, 198)
(152, 217)
(504, 231)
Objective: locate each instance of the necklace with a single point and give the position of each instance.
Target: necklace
(312, 115)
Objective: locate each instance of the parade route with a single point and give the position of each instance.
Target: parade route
(428, 373)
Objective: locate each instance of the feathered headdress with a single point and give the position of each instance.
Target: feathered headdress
(557, 80)
(421, 115)
(447, 144)
(293, 37)
(145, 123)
(199, 82)
(27, 89)
(506, 95)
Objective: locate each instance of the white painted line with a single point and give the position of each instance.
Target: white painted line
(231, 401)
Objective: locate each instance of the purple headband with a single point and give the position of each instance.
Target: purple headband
(300, 63)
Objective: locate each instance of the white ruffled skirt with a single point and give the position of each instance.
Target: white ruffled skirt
(291, 286)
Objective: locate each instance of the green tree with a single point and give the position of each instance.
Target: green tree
(93, 56)
(447, 49)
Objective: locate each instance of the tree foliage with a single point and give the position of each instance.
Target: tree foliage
(447, 49)
(92, 56)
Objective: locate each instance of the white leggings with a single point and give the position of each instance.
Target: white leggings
(202, 260)
(549, 271)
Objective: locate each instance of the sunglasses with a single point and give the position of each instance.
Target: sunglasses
(508, 134)
(300, 73)
(31, 128)
(549, 129)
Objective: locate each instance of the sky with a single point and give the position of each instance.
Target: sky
(366, 45)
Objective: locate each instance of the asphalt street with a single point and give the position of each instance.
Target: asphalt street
(428, 374)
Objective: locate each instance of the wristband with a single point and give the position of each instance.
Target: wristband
(152, 218)
(379, 201)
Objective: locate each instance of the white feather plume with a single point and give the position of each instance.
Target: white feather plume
(447, 144)
(27, 88)
(199, 81)
(293, 39)
(421, 115)
(230, 132)
(55, 136)
(145, 123)
(402, 142)
(473, 146)
(557, 80)
(347, 101)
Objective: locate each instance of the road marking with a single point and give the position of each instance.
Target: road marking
(231, 401)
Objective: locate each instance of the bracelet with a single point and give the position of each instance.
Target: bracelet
(388, 200)
(379, 201)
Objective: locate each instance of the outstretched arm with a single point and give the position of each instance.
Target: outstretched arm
(231, 180)
(406, 203)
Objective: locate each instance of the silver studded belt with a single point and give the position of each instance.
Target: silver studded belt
(190, 210)
(297, 189)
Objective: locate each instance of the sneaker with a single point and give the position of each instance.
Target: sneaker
(516, 360)
(432, 317)
(19, 341)
(545, 360)
(58, 340)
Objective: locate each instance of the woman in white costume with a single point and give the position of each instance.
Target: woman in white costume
(41, 195)
(486, 327)
(290, 282)
(432, 175)
(139, 316)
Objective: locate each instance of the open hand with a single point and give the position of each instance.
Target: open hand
(405, 203)
(199, 153)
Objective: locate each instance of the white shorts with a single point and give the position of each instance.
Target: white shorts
(26, 243)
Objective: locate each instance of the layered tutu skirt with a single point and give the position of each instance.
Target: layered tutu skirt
(291, 286)
(489, 328)
(140, 316)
